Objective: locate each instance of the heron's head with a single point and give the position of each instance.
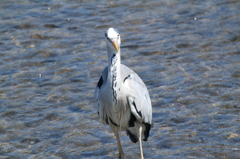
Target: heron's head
(113, 40)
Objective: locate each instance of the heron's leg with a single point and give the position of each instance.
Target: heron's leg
(139, 127)
(115, 131)
(121, 154)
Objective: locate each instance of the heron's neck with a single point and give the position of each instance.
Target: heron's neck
(114, 63)
(114, 76)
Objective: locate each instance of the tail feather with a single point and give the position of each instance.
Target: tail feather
(132, 136)
(132, 132)
(146, 131)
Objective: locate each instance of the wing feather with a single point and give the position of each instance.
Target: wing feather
(138, 96)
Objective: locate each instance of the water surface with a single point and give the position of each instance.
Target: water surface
(52, 55)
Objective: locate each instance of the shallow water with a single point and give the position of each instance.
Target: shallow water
(52, 55)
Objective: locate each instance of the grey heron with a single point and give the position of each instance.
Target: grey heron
(122, 98)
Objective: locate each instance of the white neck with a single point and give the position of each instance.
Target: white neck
(114, 76)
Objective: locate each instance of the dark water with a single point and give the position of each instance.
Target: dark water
(52, 54)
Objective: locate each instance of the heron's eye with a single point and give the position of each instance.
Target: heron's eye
(118, 36)
(106, 36)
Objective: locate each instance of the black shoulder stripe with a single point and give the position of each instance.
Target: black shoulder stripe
(100, 82)
(139, 112)
(126, 78)
(132, 120)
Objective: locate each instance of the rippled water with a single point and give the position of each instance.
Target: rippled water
(53, 52)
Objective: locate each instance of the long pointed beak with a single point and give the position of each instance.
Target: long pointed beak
(115, 44)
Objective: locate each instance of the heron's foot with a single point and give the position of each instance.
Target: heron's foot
(121, 156)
